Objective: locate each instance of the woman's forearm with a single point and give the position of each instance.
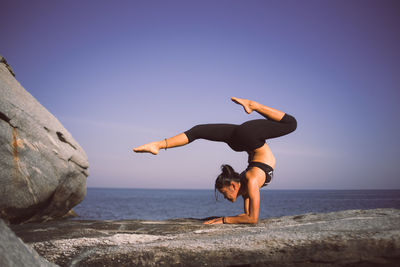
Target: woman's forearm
(242, 218)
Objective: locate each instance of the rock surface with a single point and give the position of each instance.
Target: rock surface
(43, 169)
(346, 238)
(4, 61)
(13, 252)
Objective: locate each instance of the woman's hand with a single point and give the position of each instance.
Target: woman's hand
(214, 221)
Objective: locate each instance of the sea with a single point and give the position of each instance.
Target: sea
(164, 204)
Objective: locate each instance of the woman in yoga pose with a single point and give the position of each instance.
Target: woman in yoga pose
(249, 137)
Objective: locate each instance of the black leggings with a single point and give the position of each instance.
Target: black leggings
(245, 137)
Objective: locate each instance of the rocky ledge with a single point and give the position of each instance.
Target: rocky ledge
(346, 238)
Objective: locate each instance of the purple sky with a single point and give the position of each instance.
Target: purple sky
(118, 74)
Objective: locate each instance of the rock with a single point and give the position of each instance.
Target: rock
(43, 169)
(346, 238)
(4, 61)
(13, 252)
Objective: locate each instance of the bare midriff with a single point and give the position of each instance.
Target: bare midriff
(263, 154)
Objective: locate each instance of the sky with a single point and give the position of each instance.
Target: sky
(118, 74)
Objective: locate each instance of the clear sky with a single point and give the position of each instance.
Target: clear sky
(119, 74)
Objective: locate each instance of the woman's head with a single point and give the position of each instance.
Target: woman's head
(228, 183)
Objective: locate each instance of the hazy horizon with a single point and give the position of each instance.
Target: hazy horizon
(121, 74)
(264, 188)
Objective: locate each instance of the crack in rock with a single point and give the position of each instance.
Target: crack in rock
(62, 139)
(5, 118)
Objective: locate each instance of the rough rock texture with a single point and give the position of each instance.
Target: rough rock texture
(43, 169)
(13, 252)
(4, 61)
(347, 238)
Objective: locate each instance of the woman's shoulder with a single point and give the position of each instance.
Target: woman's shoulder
(254, 175)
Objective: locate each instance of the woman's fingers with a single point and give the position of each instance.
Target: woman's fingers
(214, 221)
(210, 221)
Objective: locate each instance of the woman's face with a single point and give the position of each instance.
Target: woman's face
(230, 192)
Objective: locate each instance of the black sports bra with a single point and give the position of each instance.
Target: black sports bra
(269, 171)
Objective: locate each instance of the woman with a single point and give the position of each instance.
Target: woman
(250, 137)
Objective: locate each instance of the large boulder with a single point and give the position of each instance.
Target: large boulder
(43, 169)
(13, 252)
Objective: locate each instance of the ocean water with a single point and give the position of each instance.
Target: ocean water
(158, 204)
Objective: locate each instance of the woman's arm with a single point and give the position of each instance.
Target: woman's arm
(245, 207)
(254, 205)
(254, 177)
(246, 202)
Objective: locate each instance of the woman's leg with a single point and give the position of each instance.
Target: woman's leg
(283, 124)
(212, 132)
(279, 123)
(268, 112)
(153, 147)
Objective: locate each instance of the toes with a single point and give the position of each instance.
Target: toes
(138, 149)
(236, 100)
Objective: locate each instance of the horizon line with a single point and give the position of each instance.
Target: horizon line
(265, 189)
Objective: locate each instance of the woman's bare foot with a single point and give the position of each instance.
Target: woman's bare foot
(248, 105)
(152, 148)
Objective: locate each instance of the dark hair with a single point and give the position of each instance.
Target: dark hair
(225, 178)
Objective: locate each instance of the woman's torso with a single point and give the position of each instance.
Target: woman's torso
(262, 154)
